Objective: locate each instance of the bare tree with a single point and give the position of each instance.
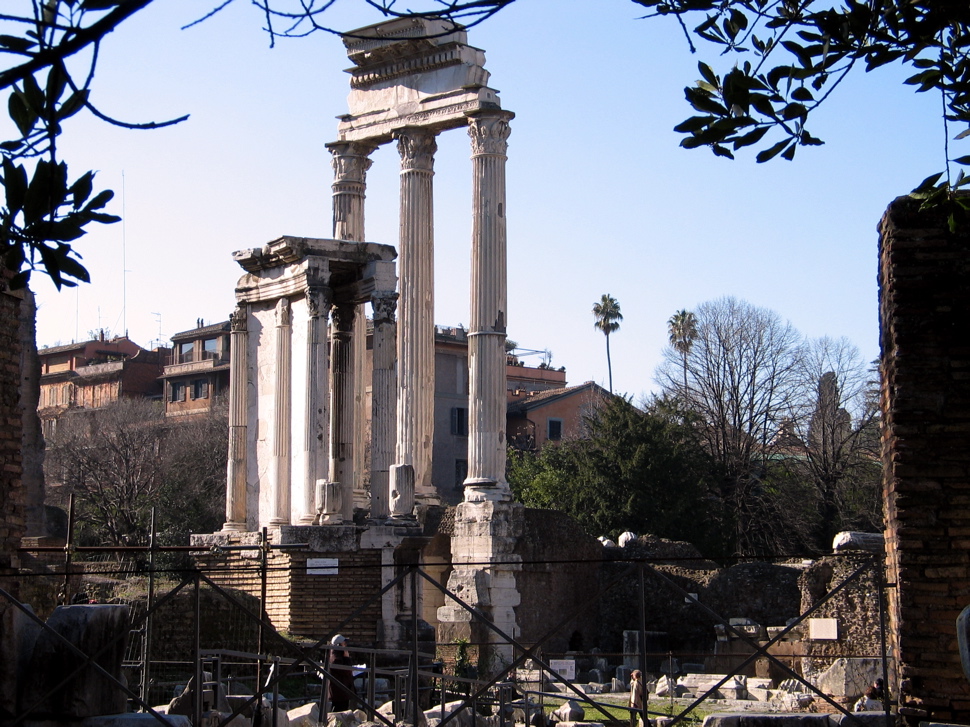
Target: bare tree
(739, 377)
(122, 460)
(110, 460)
(836, 417)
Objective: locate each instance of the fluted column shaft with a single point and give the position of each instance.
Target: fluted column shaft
(489, 132)
(315, 437)
(350, 164)
(282, 425)
(341, 406)
(415, 344)
(238, 411)
(383, 400)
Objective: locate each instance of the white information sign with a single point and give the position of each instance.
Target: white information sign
(321, 566)
(565, 667)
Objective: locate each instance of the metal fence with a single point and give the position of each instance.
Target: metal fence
(254, 663)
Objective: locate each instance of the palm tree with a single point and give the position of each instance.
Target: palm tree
(608, 317)
(682, 328)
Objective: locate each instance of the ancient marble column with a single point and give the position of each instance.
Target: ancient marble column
(350, 164)
(489, 132)
(415, 343)
(282, 396)
(315, 435)
(383, 400)
(342, 405)
(238, 407)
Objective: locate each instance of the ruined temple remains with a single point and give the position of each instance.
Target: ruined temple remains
(300, 453)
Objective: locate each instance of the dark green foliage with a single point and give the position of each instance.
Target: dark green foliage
(795, 54)
(643, 471)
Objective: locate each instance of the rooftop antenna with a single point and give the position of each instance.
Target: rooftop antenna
(158, 317)
(124, 261)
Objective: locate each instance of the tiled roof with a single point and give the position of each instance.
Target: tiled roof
(543, 397)
(68, 347)
(194, 333)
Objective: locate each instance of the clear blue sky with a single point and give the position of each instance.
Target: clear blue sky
(601, 198)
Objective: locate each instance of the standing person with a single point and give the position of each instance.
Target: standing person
(341, 683)
(636, 697)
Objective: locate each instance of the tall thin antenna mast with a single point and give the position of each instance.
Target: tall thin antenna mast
(124, 261)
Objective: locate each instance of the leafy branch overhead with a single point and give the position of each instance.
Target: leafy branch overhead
(792, 54)
(45, 211)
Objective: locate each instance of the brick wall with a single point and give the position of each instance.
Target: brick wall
(12, 495)
(308, 605)
(924, 281)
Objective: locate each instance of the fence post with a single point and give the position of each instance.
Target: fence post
(146, 650)
(197, 701)
(643, 651)
(881, 574)
(415, 680)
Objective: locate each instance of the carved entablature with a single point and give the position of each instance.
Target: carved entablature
(489, 132)
(417, 148)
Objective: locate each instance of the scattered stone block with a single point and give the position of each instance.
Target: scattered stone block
(307, 715)
(88, 693)
(136, 719)
(848, 677)
(867, 542)
(568, 711)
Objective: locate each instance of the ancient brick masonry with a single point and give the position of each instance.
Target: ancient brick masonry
(12, 496)
(924, 283)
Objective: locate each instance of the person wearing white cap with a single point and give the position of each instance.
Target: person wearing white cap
(341, 684)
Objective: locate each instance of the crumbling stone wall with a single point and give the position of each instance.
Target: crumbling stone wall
(855, 606)
(550, 590)
(766, 593)
(924, 306)
(12, 494)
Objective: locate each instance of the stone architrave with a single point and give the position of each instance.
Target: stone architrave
(383, 400)
(415, 344)
(342, 405)
(238, 406)
(317, 424)
(282, 426)
(489, 132)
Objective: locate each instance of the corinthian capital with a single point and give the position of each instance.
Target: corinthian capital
(283, 312)
(417, 148)
(489, 132)
(237, 320)
(350, 161)
(384, 308)
(317, 301)
(343, 317)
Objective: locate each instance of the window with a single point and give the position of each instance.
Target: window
(555, 429)
(461, 473)
(210, 348)
(459, 421)
(185, 351)
(200, 389)
(177, 391)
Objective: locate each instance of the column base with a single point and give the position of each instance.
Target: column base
(481, 489)
(234, 528)
(330, 519)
